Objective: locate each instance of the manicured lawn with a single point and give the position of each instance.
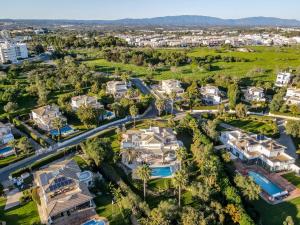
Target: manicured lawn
(276, 214)
(106, 209)
(293, 178)
(266, 58)
(20, 215)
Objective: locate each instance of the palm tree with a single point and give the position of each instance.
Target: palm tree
(172, 96)
(179, 181)
(160, 105)
(181, 155)
(57, 124)
(143, 172)
(133, 112)
(116, 106)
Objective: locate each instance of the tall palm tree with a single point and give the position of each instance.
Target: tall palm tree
(160, 105)
(181, 155)
(143, 172)
(172, 96)
(133, 112)
(57, 124)
(179, 181)
(116, 106)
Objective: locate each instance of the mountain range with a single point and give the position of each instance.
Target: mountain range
(184, 20)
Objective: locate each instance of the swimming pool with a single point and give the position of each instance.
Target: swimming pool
(94, 222)
(63, 130)
(5, 150)
(269, 187)
(161, 171)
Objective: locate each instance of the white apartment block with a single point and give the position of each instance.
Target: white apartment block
(44, 116)
(85, 100)
(11, 52)
(117, 88)
(154, 145)
(292, 96)
(283, 79)
(210, 95)
(255, 94)
(170, 86)
(257, 149)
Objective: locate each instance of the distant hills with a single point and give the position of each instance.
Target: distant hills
(185, 20)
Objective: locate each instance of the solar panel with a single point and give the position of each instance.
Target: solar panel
(60, 182)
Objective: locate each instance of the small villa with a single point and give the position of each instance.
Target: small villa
(257, 149)
(85, 100)
(255, 94)
(155, 146)
(6, 136)
(292, 96)
(117, 88)
(283, 79)
(171, 86)
(210, 95)
(64, 193)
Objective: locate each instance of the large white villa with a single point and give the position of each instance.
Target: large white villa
(171, 86)
(257, 149)
(44, 116)
(292, 96)
(64, 193)
(6, 136)
(210, 95)
(283, 79)
(85, 100)
(155, 146)
(117, 88)
(255, 94)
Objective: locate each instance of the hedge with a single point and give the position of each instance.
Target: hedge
(42, 162)
(23, 128)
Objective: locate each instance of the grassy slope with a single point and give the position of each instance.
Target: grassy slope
(268, 58)
(20, 215)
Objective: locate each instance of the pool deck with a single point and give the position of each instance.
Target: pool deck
(275, 178)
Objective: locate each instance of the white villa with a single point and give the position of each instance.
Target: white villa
(257, 149)
(117, 88)
(170, 86)
(64, 193)
(255, 94)
(155, 146)
(85, 100)
(283, 79)
(44, 116)
(210, 95)
(5, 137)
(292, 96)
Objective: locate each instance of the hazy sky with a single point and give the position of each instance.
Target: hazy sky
(115, 9)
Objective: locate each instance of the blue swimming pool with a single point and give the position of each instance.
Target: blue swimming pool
(161, 171)
(5, 150)
(63, 130)
(265, 184)
(94, 222)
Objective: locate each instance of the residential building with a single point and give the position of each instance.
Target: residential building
(5, 134)
(44, 116)
(117, 88)
(64, 193)
(257, 149)
(283, 79)
(255, 94)
(171, 86)
(210, 95)
(155, 146)
(85, 100)
(11, 52)
(292, 96)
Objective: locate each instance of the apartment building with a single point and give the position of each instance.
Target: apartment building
(11, 52)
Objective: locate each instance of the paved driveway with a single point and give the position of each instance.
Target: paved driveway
(286, 140)
(13, 197)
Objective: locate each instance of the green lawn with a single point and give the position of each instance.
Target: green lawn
(293, 178)
(276, 214)
(20, 215)
(270, 59)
